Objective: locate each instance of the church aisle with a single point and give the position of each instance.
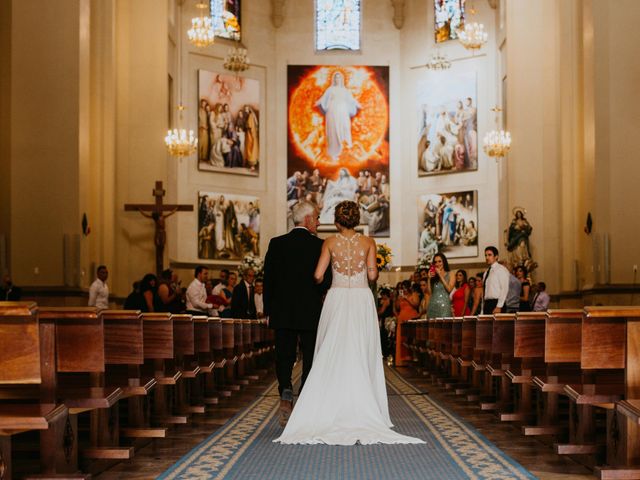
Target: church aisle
(241, 448)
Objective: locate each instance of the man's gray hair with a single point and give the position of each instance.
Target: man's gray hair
(301, 210)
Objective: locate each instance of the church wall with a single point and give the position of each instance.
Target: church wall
(417, 45)
(617, 105)
(271, 50)
(46, 106)
(5, 133)
(141, 123)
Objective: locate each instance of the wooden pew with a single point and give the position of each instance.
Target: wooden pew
(124, 356)
(184, 361)
(562, 346)
(482, 386)
(623, 423)
(215, 386)
(204, 359)
(602, 360)
(499, 361)
(27, 366)
(229, 335)
(528, 354)
(157, 331)
(80, 383)
(465, 357)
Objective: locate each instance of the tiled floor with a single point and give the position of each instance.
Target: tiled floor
(152, 460)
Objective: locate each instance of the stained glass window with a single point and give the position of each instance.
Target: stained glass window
(337, 24)
(226, 18)
(449, 16)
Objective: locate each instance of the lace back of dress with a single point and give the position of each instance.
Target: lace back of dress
(349, 262)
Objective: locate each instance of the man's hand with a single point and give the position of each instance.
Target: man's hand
(497, 310)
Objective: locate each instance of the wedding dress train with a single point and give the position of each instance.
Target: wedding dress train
(344, 400)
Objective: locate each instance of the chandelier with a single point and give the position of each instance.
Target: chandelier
(497, 143)
(179, 141)
(236, 60)
(473, 36)
(438, 62)
(201, 33)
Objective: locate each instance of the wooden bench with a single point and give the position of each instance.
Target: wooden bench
(482, 385)
(602, 361)
(124, 357)
(158, 333)
(80, 383)
(27, 365)
(528, 356)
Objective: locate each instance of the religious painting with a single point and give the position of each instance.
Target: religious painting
(447, 124)
(225, 15)
(228, 226)
(449, 17)
(228, 123)
(338, 141)
(448, 223)
(338, 25)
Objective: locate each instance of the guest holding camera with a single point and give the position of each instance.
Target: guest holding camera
(440, 285)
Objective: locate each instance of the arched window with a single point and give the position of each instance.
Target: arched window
(225, 15)
(338, 24)
(449, 17)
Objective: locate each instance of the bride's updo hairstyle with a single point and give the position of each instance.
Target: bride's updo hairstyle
(347, 214)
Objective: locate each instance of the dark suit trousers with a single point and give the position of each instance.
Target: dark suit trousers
(286, 350)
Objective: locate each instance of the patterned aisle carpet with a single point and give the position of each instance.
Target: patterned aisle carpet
(243, 448)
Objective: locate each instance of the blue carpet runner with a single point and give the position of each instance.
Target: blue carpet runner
(242, 449)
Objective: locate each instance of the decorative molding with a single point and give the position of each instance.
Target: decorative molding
(493, 3)
(277, 12)
(398, 13)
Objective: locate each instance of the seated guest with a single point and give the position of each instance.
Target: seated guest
(243, 303)
(169, 293)
(541, 299)
(196, 295)
(227, 295)
(8, 291)
(135, 301)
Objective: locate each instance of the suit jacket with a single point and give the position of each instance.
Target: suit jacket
(292, 299)
(240, 302)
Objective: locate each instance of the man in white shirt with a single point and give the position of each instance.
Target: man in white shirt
(496, 283)
(540, 302)
(196, 295)
(258, 299)
(99, 290)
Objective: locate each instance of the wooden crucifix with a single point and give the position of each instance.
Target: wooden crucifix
(158, 212)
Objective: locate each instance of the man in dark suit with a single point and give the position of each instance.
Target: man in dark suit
(243, 303)
(292, 300)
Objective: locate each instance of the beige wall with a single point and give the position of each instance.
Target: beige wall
(573, 112)
(5, 130)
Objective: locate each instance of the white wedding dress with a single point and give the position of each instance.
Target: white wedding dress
(344, 400)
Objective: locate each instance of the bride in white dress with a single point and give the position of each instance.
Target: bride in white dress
(344, 400)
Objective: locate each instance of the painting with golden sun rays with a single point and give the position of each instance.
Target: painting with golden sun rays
(338, 140)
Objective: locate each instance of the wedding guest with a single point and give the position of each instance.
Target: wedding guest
(196, 295)
(169, 293)
(243, 303)
(495, 282)
(478, 294)
(425, 297)
(227, 294)
(149, 291)
(8, 291)
(258, 297)
(540, 301)
(525, 288)
(461, 294)
(134, 300)
(99, 290)
(385, 310)
(440, 285)
(471, 281)
(405, 309)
